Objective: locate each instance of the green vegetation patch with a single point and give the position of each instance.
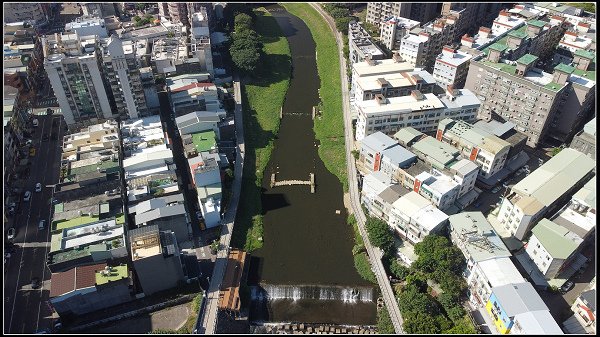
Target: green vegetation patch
(384, 322)
(204, 141)
(329, 127)
(262, 99)
(82, 220)
(116, 273)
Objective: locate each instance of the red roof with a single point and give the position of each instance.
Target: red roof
(484, 29)
(504, 13)
(74, 278)
(570, 33)
(583, 24)
(193, 85)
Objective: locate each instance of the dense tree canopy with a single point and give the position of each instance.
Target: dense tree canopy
(380, 234)
(246, 48)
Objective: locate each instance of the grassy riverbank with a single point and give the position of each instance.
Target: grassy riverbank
(262, 99)
(329, 129)
(359, 252)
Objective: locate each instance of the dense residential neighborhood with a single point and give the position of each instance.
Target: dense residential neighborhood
(347, 168)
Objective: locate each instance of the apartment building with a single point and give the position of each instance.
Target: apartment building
(379, 152)
(540, 104)
(73, 68)
(472, 14)
(422, 12)
(392, 30)
(485, 149)
(552, 248)
(421, 111)
(579, 215)
(361, 46)
(24, 11)
(392, 85)
(156, 258)
(121, 68)
(188, 95)
(423, 44)
(200, 46)
(517, 308)
(414, 217)
(544, 190)
(199, 121)
(488, 260)
(583, 320)
(378, 194)
(168, 53)
(98, 9)
(585, 140)
(176, 12)
(88, 25)
(451, 68)
(206, 177)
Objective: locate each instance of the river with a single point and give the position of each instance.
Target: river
(305, 267)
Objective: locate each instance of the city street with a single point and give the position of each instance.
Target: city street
(26, 309)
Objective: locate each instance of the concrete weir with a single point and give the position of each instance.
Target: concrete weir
(310, 182)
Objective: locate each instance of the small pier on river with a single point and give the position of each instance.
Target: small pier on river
(310, 182)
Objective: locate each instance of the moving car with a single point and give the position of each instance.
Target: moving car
(27, 196)
(38, 187)
(28, 142)
(11, 233)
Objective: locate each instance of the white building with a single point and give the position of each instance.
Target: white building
(579, 215)
(421, 111)
(543, 190)
(361, 45)
(487, 150)
(88, 25)
(552, 247)
(393, 29)
(72, 65)
(488, 259)
(200, 41)
(413, 217)
(206, 177)
(573, 41)
(506, 21)
(451, 68)
(199, 121)
(188, 94)
(413, 47)
(392, 85)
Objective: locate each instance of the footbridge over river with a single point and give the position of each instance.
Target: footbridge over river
(310, 182)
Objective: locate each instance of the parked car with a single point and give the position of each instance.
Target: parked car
(477, 204)
(35, 123)
(27, 196)
(11, 233)
(45, 138)
(496, 189)
(566, 287)
(42, 225)
(32, 152)
(28, 142)
(38, 187)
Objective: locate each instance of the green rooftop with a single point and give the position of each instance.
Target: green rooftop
(585, 53)
(59, 208)
(73, 254)
(518, 34)
(109, 165)
(204, 141)
(554, 86)
(116, 273)
(589, 74)
(499, 47)
(565, 68)
(537, 23)
(120, 218)
(556, 239)
(527, 59)
(82, 220)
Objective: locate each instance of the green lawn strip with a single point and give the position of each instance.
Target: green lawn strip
(262, 99)
(329, 128)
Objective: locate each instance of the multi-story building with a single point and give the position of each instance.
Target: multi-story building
(24, 11)
(392, 85)
(156, 258)
(206, 177)
(361, 46)
(421, 111)
(422, 12)
(423, 44)
(88, 25)
(392, 30)
(168, 213)
(579, 215)
(176, 12)
(200, 40)
(189, 95)
(488, 260)
(73, 67)
(473, 14)
(85, 289)
(121, 69)
(572, 41)
(583, 320)
(451, 68)
(552, 248)
(540, 104)
(544, 191)
(517, 308)
(485, 149)
(168, 53)
(585, 140)
(414, 217)
(379, 152)
(99, 9)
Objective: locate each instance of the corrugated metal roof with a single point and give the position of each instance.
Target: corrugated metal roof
(556, 239)
(378, 141)
(406, 135)
(518, 298)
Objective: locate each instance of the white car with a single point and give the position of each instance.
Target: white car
(38, 187)
(27, 196)
(11, 233)
(35, 123)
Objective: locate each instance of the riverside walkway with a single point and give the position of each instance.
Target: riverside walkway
(375, 253)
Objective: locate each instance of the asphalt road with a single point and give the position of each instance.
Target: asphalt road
(25, 309)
